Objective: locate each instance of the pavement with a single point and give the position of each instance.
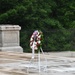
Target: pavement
(53, 63)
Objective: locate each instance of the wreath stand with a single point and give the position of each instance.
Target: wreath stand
(38, 66)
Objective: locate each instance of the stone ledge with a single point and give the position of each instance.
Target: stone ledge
(10, 27)
(12, 49)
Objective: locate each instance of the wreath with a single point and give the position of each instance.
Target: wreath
(36, 40)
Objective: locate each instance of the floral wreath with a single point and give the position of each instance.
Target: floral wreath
(36, 39)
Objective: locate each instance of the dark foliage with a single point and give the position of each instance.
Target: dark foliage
(53, 17)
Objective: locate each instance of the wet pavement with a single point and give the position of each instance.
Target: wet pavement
(51, 64)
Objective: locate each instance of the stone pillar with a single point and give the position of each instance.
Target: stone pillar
(9, 38)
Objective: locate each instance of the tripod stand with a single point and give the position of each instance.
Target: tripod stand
(39, 65)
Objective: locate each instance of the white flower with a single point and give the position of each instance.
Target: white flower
(39, 36)
(39, 42)
(31, 39)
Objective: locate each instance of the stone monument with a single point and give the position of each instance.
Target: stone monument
(9, 38)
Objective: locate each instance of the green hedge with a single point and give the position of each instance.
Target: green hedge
(54, 40)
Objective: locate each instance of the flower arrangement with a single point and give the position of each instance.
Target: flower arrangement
(36, 40)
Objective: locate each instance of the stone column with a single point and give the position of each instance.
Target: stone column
(9, 38)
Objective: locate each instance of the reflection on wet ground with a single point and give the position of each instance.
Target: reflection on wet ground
(20, 64)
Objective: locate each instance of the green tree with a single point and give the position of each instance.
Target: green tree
(45, 15)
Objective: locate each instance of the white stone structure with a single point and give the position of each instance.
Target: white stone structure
(9, 38)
